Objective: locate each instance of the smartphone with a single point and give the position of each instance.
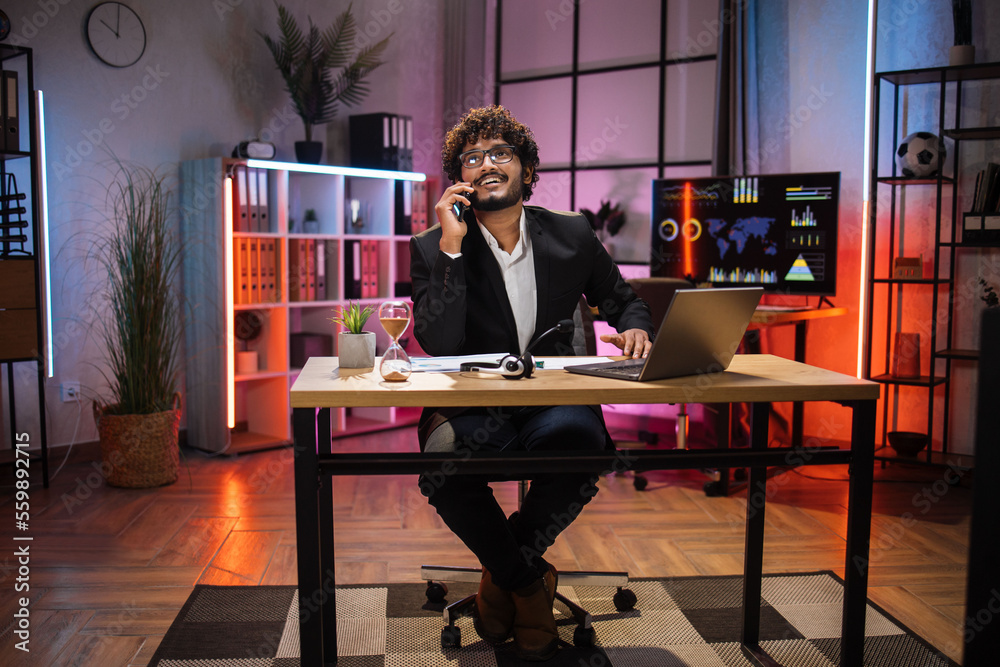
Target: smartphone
(459, 209)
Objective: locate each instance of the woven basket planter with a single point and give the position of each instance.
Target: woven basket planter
(139, 451)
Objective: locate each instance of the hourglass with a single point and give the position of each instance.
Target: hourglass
(395, 317)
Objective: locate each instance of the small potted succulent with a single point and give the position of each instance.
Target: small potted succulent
(355, 346)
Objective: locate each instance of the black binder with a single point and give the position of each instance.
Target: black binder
(352, 269)
(9, 110)
(371, 140)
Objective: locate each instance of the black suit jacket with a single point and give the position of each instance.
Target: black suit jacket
(461, 305)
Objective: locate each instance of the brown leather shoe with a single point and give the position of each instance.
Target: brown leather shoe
(494, 617)
(535, 633)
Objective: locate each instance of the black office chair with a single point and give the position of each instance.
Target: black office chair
(437, 577)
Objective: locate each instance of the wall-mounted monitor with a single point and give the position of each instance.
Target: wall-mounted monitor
(778, 231)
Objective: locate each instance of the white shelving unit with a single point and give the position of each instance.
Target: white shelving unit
(237, 412)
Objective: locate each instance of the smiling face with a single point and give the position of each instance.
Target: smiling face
(497, 186)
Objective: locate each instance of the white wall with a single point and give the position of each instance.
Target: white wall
(205, 82)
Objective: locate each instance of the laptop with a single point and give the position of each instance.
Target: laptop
(700, 333)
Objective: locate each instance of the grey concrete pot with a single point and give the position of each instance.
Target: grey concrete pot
(356, 350)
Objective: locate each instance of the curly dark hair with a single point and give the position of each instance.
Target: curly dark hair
(490, 123)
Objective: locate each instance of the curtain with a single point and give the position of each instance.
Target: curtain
(737, 136)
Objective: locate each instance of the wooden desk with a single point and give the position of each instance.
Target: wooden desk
(756, 379)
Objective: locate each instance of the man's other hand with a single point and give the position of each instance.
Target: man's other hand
(632, 342)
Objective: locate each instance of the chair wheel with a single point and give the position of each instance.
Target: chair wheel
(624, 600)
(583, 637)
(436, 592)
(640, 482)
(451, 636)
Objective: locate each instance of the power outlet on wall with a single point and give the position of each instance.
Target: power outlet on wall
(69, 392)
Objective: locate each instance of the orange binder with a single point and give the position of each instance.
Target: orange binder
(296, 270)
(268, 270)
(240, 271)
(310, 269)
(253, 254)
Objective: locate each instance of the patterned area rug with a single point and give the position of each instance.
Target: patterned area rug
(679, 621)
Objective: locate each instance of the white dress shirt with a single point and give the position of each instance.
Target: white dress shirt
(518, 271)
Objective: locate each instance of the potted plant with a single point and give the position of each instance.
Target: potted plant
(355, 347)
(606, 222)
(321, 70)
(141, 332)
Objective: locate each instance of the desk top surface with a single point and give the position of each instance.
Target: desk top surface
(750, 378)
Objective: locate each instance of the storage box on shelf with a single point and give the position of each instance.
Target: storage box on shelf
(928, 301)
(270, 250)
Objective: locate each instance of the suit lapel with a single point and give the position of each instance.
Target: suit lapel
(483, 257)
(540, 255)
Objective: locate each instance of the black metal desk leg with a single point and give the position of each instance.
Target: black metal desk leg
(798, 407)
(753, 558)
(307, 536)
(326, 553)
(859, 516)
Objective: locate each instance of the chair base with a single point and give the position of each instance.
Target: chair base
(583, 635)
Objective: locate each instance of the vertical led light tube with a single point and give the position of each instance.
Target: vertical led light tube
(866, 187)
(227, 245)
(43, 229)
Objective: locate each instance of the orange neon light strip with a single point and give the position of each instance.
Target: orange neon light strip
(227, 231)
(685, 240)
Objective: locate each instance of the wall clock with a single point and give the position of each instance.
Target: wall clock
(4, 26)
(116, 34)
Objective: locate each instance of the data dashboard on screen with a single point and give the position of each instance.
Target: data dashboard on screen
(778, 231)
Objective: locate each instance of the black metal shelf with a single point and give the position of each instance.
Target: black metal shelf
(960, 354)
(967, 133)
(935, 458)
(970, 244)
(902, 180)
(921, 381)
(912, 281)
(976, 72)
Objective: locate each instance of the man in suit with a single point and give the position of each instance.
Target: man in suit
(492, 280)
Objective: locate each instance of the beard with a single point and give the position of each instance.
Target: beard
(499, 201)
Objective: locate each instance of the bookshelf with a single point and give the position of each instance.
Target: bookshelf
(24, 302)
(947, 220)
(259, 278)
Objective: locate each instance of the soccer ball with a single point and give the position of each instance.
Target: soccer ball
(917, 156)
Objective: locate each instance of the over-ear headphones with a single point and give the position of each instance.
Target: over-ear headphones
(513, 367)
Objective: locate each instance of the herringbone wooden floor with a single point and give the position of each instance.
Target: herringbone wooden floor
(110, 568)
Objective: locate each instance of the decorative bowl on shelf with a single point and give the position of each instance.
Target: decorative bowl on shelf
(907, 443)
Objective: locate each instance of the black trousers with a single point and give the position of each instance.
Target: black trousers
(511, 548)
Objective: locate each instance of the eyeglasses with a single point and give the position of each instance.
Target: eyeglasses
(498, 154)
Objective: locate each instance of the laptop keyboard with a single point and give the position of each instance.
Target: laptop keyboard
(627, 369)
